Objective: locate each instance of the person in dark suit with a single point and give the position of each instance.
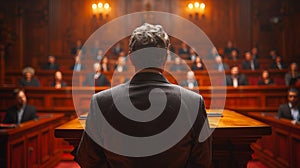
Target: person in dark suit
(220, 65)
(197, 64)
(278, 64)
(190, 81)
(58, 80)
(143, 93)
(51, 64)
(249, 63)
(21, 112)
(236, 79)
(96, 78)
(265, 79)
(291, 109)
(29, 79)
(77, 66)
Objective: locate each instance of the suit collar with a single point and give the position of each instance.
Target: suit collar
(142, 77)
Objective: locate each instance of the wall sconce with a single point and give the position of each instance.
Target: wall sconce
(196, 9)
(101, 9)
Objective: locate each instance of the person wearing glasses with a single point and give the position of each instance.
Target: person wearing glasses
(291, 109)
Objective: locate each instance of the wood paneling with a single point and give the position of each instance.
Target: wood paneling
(281, 148)
(31, 143)
(31, 29)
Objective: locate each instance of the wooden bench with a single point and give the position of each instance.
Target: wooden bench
(204, 77)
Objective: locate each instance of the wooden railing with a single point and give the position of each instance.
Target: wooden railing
(62, 100)
(32, 144)
(281, 148)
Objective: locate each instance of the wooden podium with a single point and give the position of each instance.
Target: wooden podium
(232, 137)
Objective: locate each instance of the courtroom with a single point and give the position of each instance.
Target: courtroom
(150, 83)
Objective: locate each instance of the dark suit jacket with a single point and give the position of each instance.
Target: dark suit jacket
(100, 81)
(28, 114)
(275, 66)
(242, 80)
(63, 84)
(34, 82)
(284, 111)
(188, 152)
(247, 64)
(48, 66)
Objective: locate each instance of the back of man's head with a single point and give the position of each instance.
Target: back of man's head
(148, 46)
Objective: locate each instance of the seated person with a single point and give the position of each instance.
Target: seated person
(278, 64)
(29, 79)
(291, 109)
(229, 48)
(236, 79)
(272, 54)
(78, 66)
(192, 55)
(265, 79)
(184, 49)
(212, 53)
(120, 65)
(97, 78)
(58, 82)
(254, 52)
(21, 112)
(51, 64)
(117, 49)
(76, 48)
(234, 55)
(249, 63)
(292, 76)
(99, 55)
(220, 65)
(197, 64)
(190, 81)
(104, 64)
(178, 65)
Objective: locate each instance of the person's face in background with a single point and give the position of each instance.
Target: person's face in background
(219, 59)
(248, 56)
(21, 99)
(234, 54)
(278, 59)
(51, 59)
(58, 76)
(234, 71)
(105, 60)
(293, 67)
(265, 75)
(254, 51)
(293, 98)
(28, 76)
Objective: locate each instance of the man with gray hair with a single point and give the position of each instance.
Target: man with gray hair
(147, 121)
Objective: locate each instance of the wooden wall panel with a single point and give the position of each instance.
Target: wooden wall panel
(34, 29)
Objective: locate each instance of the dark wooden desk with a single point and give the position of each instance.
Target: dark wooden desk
(231, 139)
(31, 144)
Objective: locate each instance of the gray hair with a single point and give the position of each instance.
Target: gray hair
(28, 70)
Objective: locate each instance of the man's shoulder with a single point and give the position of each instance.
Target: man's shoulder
(108, 92)
(283, 106)
(30, 107)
